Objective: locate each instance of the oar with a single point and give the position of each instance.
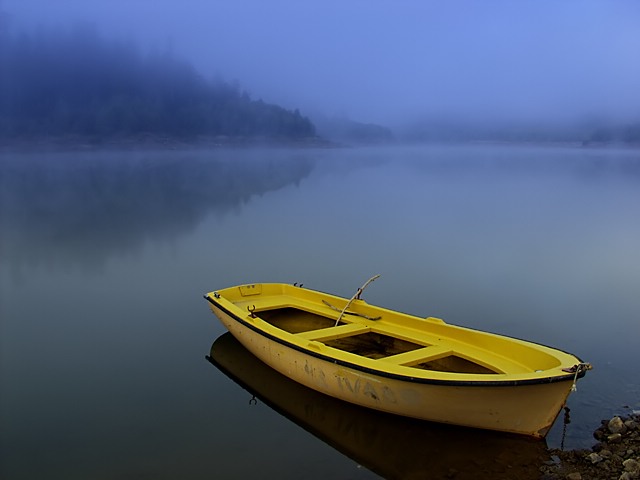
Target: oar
(356, 295)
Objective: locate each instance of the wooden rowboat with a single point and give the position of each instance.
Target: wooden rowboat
(393, 362)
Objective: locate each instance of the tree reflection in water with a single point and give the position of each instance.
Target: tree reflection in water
(78, 209)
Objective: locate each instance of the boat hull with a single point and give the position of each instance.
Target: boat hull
(528, 409)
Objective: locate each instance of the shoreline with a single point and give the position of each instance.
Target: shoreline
(150, 141)
(159, 142)
(616, 455)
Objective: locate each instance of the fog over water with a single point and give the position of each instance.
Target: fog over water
(104, 257)
(390, 62)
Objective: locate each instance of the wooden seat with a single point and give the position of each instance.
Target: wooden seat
(331, 333)
(420, 355)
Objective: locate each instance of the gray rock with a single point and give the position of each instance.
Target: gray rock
(554, 460)
(595, 458)
(616, 425)
(631, 425)
(614, 438)
(630, 465)
(604, 453)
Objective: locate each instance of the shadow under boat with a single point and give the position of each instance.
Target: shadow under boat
(391, 446)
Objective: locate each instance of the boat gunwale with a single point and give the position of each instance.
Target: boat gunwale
(407, 378)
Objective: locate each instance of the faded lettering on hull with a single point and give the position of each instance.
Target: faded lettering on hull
(364, 387)
(317, 375)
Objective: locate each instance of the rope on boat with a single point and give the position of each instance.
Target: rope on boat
(576, 370)
(356, 296)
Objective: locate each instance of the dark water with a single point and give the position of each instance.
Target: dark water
(104, 332)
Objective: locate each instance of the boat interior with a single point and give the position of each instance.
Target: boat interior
(377, 343)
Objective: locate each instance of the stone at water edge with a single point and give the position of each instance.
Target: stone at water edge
(595, 458)
(614, 438)
(616, 425)
(631, 425)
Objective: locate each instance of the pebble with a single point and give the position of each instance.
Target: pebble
(604, 453)
(631, 425)
(574, 476)
(595, 458)
(554, 460)
(630, 465)
(614, 438)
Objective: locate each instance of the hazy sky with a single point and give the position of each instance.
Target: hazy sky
(383, 60)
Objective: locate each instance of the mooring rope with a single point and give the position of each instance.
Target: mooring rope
(576, 370)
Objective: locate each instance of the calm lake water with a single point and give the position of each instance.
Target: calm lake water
(104, 258)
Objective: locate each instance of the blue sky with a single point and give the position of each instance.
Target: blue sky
(390, 61)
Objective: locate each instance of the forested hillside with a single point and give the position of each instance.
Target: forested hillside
(74, 82)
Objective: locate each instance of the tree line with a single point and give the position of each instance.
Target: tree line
(74, 82)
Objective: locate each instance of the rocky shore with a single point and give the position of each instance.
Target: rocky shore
(615, 456)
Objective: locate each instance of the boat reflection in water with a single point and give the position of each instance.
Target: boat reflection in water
(391, 446)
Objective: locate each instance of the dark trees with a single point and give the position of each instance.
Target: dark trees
(75, 83)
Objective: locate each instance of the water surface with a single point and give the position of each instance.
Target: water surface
(104, 258)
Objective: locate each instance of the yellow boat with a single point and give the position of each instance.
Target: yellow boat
(402, 364)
